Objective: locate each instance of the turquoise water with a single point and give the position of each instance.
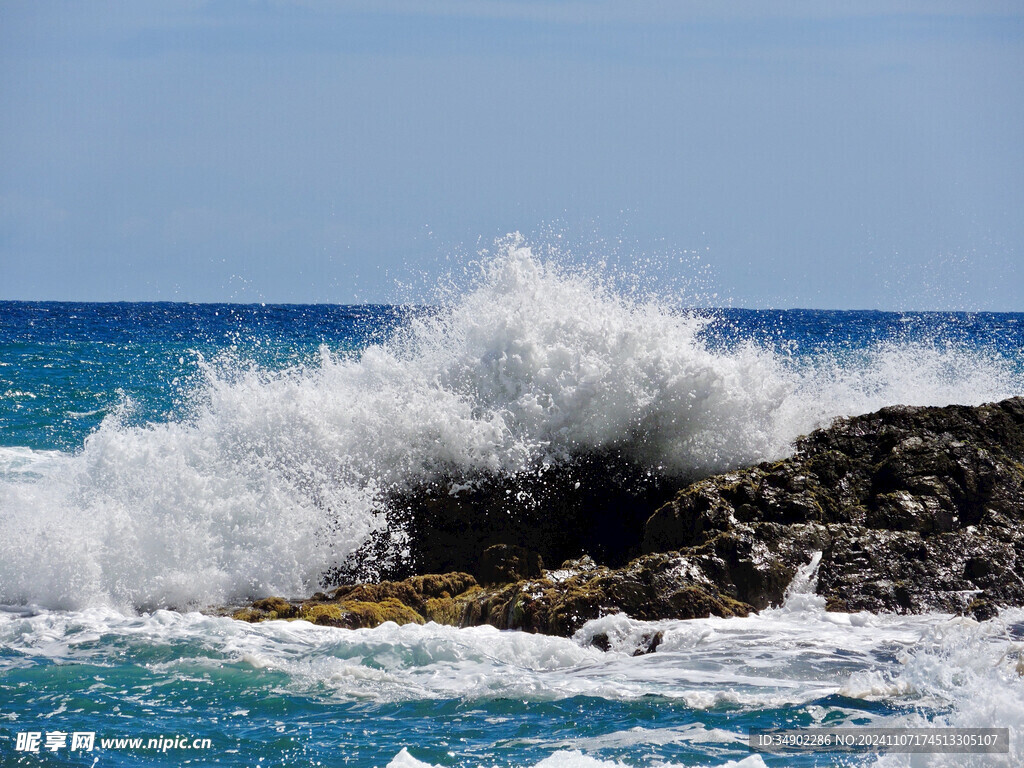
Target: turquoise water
(295, 694)
(156, 459)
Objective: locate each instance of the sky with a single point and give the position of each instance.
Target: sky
(815, 154)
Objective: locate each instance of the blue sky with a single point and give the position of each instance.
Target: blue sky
(811, 155)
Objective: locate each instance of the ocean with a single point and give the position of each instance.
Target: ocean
(161, 459)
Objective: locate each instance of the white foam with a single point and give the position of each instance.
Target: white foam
(973, 671)
(801, 594)
(639, 736)
(273, 478)
(760, 661)
(968, 672)
(18, 463)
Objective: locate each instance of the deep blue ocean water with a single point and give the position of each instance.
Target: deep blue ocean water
(158, 455)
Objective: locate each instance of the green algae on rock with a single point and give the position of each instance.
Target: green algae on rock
(558, 602)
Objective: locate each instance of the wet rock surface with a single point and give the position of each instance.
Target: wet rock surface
(557, 603)
(913, 509)
(596, 505)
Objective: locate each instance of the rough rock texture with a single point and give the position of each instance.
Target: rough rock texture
(502, 563)
(914, 509)
(557, 603)
(412, 601)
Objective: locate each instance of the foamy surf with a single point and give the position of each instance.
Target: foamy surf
(17, 463)
(719, 677)
(270, 478)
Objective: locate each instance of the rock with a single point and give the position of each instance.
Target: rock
(413, 601)
(914, 509)
(327, 615)
(276, 606)
(355, 614)
(595, 505)
(502, 563)
(555, 603)
(413, 592)
(649, 643)
(649, 588)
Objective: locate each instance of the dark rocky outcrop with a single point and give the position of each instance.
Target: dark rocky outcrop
(595, 505)
(913, 509)
(502, 563)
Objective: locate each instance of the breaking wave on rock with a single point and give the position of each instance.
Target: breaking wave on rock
(273, 478)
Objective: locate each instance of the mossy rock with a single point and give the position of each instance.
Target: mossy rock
(696, 603)
(324, 614)
(733, 608)
(402, 591)
(444, 584)
(505, 563)
(360, 614)
(575, 609)
(445, 610)
(413, 592)
(982, 609)
(276, 607)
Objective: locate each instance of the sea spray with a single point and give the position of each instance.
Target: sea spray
(268, 478)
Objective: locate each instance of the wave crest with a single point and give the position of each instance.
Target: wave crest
(275, 478)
